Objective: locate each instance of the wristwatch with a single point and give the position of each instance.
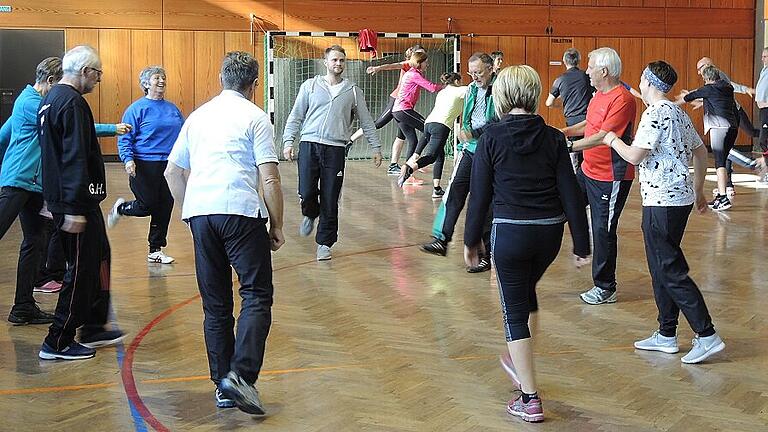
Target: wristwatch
(569, 145)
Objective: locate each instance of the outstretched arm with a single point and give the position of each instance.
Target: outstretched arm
(372, 70)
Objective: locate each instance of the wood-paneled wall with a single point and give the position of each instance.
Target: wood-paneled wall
(190, 37)
(664, 18)
(734, 56)
(191, 60)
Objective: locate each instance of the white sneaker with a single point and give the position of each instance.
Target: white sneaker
(114, 215)
(323, 253)
(160, 258)
(657, 342)
(703, 348)
(730, 192)
(306, 227)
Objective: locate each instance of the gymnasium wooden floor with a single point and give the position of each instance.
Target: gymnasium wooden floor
(385, 338)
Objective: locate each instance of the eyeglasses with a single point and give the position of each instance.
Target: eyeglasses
(98, 71)
(476, 74)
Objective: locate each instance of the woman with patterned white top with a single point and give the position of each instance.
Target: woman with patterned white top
(664, 145)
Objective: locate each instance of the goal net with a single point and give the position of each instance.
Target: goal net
(293, 57)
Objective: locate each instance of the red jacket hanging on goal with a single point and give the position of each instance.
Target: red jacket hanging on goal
(367, 40)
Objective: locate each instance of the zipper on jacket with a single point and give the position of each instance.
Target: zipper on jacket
(37, 172)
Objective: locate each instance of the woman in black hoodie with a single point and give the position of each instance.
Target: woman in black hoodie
(522, 168)
(721, 122)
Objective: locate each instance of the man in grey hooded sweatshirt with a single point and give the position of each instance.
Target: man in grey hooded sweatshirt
(322, 117)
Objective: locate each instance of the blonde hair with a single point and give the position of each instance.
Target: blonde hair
(417, 58)
(516, 87)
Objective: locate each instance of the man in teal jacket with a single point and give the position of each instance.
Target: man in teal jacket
(21, 188)
(478, 113)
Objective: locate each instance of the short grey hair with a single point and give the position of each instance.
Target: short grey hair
(79, 57)
(571, 57)
(238, 70)
(609, 59)
(710, 73)
(50, 67)
(146, 74)
(483, 57)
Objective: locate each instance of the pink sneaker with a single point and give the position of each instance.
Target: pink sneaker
(49, 287)
(530, 412)
(509, 368)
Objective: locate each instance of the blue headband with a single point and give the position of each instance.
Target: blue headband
(656, 81)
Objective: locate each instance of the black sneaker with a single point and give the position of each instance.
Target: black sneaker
(483, 266)
(245, 395)
(438, 192)
(100, 338)
(32, 316)
(720, 203)
(393, 169)
(436, 247)
(222, 401)
(73, 351)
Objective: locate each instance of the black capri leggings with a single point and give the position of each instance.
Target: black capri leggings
(431, 148)
(386, 116)
(722, 140)
(409, 121)
(521, 254)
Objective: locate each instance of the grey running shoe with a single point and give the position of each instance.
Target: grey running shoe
(307, 226)
(530, 412)
(597, 295)
(323, 253)
(393, 169)
(703, 348)
(657, 342)
(245, 395)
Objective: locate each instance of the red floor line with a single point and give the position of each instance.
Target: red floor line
(129, 382)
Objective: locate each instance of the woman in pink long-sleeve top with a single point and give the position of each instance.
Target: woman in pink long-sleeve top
(408, 120)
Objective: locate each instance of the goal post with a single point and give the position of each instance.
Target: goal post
(293, 57)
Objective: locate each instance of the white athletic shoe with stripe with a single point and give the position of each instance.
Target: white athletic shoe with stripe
(160, 258)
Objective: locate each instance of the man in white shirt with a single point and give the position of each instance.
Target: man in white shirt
(322, 118)
(224, 152)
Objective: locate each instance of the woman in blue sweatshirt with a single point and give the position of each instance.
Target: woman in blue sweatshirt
(144, 151)
(522, 168)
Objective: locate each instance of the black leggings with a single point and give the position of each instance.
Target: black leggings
(763, 139)
(153, 198)
(386, 116)
(409, 121)
(431, 148)
(521, 254)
